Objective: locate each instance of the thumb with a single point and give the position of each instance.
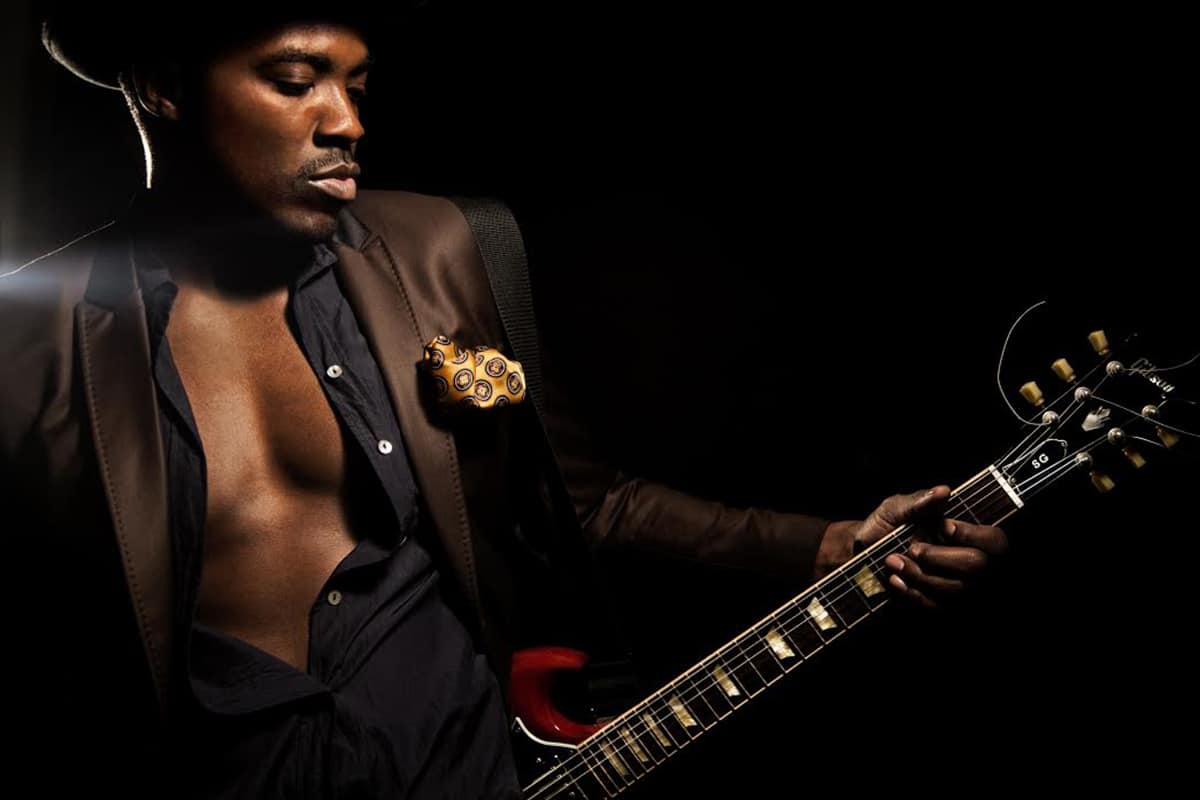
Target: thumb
(901, 508)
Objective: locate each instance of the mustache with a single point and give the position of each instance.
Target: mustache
(326, 165)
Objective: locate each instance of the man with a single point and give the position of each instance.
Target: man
(221, 448)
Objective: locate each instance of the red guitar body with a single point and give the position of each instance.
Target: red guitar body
(533, 674)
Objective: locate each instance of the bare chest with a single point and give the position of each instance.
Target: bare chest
(262, 415)
(276, 520)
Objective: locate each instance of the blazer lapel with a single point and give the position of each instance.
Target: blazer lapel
(398, 311)
(113, 344)
(397, 330)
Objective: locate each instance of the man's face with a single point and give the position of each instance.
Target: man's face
(280, 111)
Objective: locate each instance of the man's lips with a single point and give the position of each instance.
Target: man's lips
(341, 188)
(338, 182)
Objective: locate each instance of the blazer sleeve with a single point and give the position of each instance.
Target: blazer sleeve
(619, 511)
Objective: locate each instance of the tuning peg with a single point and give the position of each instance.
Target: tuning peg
(1099, 343)
(1168, 438)
(1033, 394)
(1102, 482)
(1062, 368)
(1134, 457)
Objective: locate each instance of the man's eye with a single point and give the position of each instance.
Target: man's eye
(358, 94)
(293, 89)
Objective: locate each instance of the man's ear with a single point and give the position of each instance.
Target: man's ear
(159, 89)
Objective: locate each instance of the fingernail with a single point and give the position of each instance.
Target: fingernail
(895, 562)
(951, 528)
(899, 583)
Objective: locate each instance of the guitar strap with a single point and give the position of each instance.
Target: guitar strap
(503, 251)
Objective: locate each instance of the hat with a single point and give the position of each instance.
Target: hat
(96, 41)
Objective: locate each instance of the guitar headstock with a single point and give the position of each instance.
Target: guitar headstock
(1113, 414)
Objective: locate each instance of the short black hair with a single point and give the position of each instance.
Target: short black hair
(216, 33)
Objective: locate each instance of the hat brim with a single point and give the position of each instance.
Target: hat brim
(95, 42)
(64, 44)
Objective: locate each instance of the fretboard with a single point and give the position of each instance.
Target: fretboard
(645, 736)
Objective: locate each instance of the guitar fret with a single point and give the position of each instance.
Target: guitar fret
(600, 773)
(649, 739)
(692, 696)
(986, 506)
(807, 637)
(622, 753)
(659, 736)
(763, 659)
(742, 671)
(848, 604)
(682, 713)
(723, 679)
(714, 695)
(868, 582)
(779, 646)
(634, 745)
(616, 761)
(680, 734)
(820, 615)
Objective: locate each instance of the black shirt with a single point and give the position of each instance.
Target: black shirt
(396, 701)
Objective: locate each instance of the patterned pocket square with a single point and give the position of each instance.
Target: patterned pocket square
(476, 378)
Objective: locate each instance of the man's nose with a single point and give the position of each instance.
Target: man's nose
(339, 118)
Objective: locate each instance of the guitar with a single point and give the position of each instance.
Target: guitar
(1104, 420)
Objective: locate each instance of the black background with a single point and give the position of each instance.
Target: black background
(795, 241)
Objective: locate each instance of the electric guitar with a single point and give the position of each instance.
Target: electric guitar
(1106, 419)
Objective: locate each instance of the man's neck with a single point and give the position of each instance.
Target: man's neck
(220, 249)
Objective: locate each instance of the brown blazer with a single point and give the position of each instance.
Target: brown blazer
(84, 480)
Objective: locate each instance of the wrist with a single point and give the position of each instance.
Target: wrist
(838, 545)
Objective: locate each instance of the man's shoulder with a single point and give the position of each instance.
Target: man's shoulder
(411, 218)
(45, 290)
(37, 327)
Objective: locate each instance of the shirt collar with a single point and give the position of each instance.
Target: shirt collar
(153, 273)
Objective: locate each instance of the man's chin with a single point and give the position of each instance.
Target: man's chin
(311, 225)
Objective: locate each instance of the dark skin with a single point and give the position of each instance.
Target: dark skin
(940, 564)
(237, 216)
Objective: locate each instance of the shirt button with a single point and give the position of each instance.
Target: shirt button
(334, 371)
(385, 446)
(334, 597)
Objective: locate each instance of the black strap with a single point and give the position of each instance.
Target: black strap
(503, 251)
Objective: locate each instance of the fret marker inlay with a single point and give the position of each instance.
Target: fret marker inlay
(633, 745)
(779, 645)
(613, 759)
(820, 615)
(681, 713)
(725, 682)
(658, 734)
(867, 581)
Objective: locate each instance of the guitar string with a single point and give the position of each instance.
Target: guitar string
(1073, 408)
(687, 682)
(1155, 422)
(619, 747)
(682, 687)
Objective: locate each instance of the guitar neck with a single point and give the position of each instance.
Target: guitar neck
(645, 736)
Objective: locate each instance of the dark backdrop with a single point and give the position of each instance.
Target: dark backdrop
(828, 224)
